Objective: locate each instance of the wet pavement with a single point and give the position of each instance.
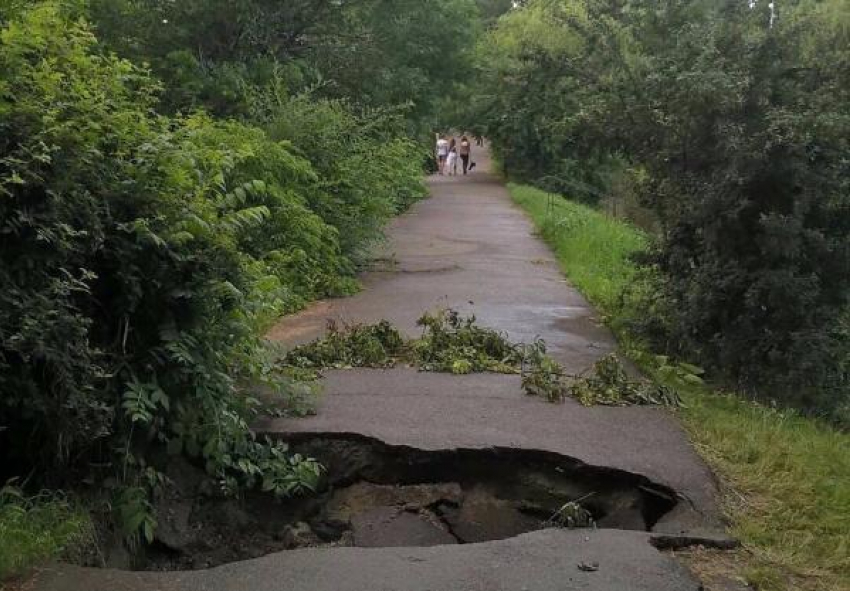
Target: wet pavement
(470, 249)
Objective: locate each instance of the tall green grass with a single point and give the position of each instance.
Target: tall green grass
(37, 529)
(789, 476)
(592, 249)
(791, 482)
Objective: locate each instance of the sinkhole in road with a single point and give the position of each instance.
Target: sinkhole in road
(377, 495)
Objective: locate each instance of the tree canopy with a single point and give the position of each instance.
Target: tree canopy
(732, 126)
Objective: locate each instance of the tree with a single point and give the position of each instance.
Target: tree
(736, 135)
(375, 53)
(492, 10)
(400, 52)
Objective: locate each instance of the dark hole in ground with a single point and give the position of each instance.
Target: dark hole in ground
(376, 495)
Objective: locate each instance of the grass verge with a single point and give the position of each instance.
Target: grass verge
(34, 530)
(786, 478)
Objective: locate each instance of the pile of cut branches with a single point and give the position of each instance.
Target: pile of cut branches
(454, 344)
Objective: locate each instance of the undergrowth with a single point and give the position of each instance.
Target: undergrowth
(787, 492)
(607, 384)
(454, 344)
(38, 528)
(144, 252)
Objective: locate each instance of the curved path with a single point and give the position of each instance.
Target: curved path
(469, 248)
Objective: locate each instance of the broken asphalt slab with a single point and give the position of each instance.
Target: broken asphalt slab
(547, 560)
(442, 412)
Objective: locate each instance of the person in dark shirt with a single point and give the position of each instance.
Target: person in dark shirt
(465, 152)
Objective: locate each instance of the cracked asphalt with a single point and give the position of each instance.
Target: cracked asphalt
(469, 248)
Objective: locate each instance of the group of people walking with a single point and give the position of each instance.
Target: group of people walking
(449, 150)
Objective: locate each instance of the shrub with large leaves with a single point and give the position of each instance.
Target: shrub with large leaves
(368, 171)
(139, 257)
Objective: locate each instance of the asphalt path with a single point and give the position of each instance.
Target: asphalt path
(469, 248)
(549, 560)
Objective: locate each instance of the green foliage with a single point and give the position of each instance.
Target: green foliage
(609, 384)
(533, 100)
(140, 256)
(146, 243)
(38, 528)
(375, 345)
(753, 195)
(449, 343)
(368, 171)
(400, 52)
(260, 67)
(375, 53)
(572, 515)
(134, 514)
(682, 374)
(544, 377)
(736, 133)
(492, 10)
(457, 345)
(207, 51)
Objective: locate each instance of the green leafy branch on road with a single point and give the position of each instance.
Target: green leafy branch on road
(607, 384)
(454, 344)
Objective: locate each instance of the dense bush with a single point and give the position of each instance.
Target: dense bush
(532, 99)
(369, 171)
(206, 51)
(306, 72)
(734, 128)
(749, 174)
(141, 256)
(173, 177)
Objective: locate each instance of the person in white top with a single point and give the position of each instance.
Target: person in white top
(451, 162)
(442, 153)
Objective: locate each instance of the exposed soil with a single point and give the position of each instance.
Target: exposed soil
(375, 495)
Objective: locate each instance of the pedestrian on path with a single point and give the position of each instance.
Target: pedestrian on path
(452, 158)
(442, 153)
(465, 153)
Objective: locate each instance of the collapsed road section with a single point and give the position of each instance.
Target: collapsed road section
(377, 495)
(399, 518)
